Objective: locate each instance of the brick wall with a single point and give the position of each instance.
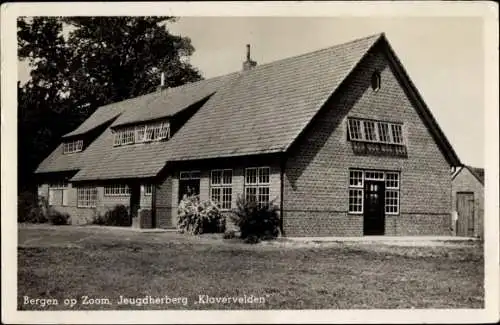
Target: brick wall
(466, 182)
(317, 169)
(80, 216)
(167, 192)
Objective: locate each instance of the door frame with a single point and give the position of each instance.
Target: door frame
(465, 221)
(381, 230)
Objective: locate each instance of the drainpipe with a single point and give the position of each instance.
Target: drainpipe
(153, 205)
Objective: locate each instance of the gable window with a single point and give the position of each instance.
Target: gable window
(86, 197)
(221, 187)
(257, 185)
(375, 131)
(155, 131)
(148, 189)
(72, 146)
(356, 189)
(116, 190)
(376, 81)
(369, 127)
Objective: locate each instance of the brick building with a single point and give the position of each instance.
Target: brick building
(339, 139)
(468, 201)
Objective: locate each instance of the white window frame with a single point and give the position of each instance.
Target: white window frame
(148, 132)
(59, 188)
(259, 185)
(391, 137)
(392, 181)
(223, 187)
(86, 196)
(148, 189)
(72, 146)
(117, 190)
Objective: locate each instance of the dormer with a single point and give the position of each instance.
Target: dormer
(72, 146)
(144, 132)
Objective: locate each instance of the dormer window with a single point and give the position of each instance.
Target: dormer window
(376, 81)
(72, 146)
(155, 131)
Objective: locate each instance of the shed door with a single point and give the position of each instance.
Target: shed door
(465, 210)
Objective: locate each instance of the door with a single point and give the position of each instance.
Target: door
(465, 210)
(374, 208)
(135, 196)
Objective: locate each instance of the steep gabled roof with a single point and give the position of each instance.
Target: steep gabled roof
(263, 110)
(266, 108)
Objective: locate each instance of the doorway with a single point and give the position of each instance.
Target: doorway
(374, 208)
(465, 210)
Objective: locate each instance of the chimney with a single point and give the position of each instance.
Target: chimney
(248, 64)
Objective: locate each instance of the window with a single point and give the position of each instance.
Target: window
(383, 132)
(355, 130)
(116, 190)
(221, 187)
(72, 146)
(142, 133)
(376, 81)
(58, 193)
(356, 189)
(370, 131)
(87, 197)
(148, 189)
(375, 131)
(257, 185)
(397, 133)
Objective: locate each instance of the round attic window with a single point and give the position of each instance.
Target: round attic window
(376, 81)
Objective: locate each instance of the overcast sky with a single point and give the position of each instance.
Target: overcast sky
(443, 56)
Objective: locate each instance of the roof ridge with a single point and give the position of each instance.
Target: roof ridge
(377, 35)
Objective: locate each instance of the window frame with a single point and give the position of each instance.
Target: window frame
(389, 137)
(141, 133)
(114, 190)
(221, 186)
(388, 177)
(72, 146)
(148, 189)
(90, 196)
(258, 186)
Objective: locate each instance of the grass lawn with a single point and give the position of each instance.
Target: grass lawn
(71, 262)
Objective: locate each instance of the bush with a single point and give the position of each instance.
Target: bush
(229, 234)
(26, 203)
(118, 216)
(57, 218)
(197, 217)
(256, 223)
(37, 213)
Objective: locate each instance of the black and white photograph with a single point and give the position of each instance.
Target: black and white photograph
(268, 166)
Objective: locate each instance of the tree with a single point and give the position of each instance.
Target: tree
(80, 63)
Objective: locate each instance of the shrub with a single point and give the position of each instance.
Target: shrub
(197, 217)
(37, 213)
(256, 222)
(57, 218)
(118, 216)
(26, 202)
(229, 234)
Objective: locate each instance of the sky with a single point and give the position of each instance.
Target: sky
(443, 56)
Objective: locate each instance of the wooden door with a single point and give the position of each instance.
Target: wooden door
(465, 210)
(374, 208)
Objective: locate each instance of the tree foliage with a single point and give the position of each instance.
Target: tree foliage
(80, 63)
